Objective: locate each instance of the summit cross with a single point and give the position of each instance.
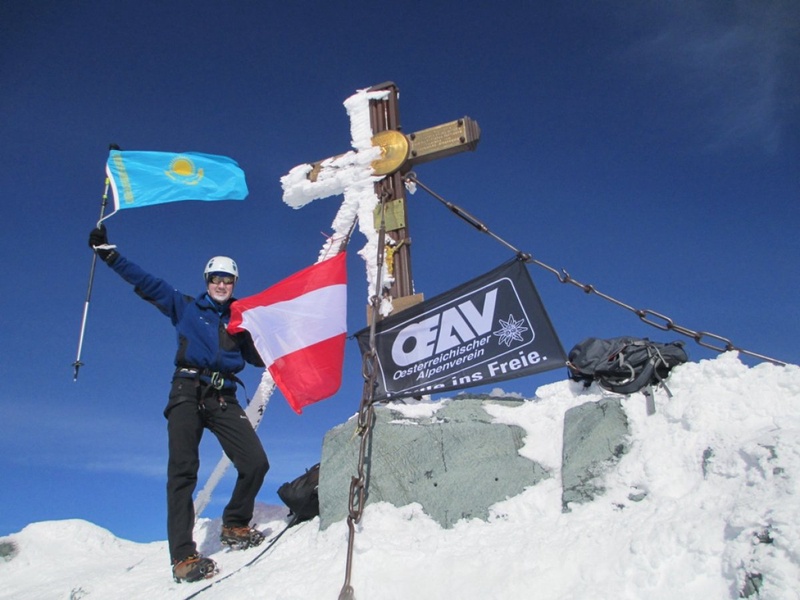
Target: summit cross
(371, 175)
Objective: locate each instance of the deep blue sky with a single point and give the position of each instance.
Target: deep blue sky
(649, 150)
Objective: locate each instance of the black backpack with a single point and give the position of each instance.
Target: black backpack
(301, 496)
(624, 364)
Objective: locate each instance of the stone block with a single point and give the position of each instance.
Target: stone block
(595, 437)
(455, 463)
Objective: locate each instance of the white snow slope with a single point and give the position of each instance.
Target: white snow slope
(718, 467)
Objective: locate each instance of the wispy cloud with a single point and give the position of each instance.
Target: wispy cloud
(138, 464)
(735, 62)
(83, 438)
(79, 437)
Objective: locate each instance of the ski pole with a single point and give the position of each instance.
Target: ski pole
(78, 364)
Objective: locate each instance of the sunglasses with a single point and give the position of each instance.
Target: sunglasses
(217, 279)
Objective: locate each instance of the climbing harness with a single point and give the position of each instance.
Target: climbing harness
(215, 384)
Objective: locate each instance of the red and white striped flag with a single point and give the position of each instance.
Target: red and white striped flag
(299, 327)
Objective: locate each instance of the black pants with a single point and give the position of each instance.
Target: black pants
(192, 409)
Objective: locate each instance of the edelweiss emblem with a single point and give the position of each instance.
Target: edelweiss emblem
(510, 330)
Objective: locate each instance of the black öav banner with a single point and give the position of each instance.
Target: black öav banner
(490, 329)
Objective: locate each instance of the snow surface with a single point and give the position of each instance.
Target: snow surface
(706, 496)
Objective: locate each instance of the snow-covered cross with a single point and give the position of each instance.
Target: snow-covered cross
(380, 155)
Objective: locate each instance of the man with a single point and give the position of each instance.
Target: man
(203, 396)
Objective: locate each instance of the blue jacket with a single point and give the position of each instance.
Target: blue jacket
(203, 341)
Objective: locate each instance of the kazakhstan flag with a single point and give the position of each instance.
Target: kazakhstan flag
(145, 178)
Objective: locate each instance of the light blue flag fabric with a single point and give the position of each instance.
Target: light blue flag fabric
(145, 178)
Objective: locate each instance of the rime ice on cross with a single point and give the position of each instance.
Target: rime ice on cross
(377, 161)
(349, 174)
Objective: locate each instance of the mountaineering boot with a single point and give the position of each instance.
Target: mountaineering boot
(193, 568)
(240, 538)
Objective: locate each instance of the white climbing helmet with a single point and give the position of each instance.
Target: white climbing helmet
(221, 264)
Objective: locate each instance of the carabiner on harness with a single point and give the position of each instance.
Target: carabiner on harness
(217, 380)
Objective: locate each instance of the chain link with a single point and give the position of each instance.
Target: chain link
(358, 483)
(366, 417)
(366, 412)
(706, 339)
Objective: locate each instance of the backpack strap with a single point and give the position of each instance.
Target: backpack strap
(645, 379)
(635, 384)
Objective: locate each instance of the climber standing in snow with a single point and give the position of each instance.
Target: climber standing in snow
(202, 396)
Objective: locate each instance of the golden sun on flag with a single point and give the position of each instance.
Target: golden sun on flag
(182, 169)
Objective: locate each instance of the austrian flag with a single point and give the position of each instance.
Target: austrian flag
(299, 327)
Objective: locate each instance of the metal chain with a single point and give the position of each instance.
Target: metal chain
(358, 483)
(366, 416)
(651, 317)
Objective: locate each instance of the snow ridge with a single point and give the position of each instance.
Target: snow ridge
(704, 505)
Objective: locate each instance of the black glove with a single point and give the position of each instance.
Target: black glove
(98, 241)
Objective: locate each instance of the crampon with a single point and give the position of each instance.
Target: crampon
(240, 538)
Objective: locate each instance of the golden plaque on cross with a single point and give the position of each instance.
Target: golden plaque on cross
(394, 151)
(401, 152)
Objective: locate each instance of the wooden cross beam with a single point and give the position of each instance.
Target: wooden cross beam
(399, 153)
